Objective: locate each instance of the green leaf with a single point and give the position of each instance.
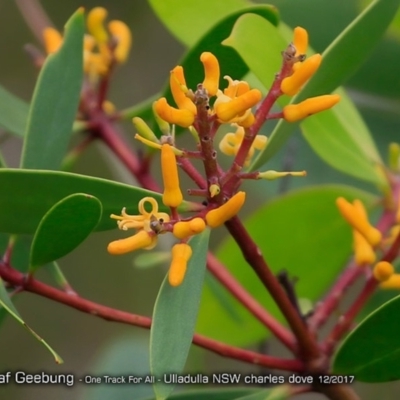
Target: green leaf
(372, 351)
(212, 394)
(301, 232)
(55, 101)
(27, 195)
(151, 259)
(13, 112)
(64, 227)
(190, 22)
(57, 275)
(174, 318)
(9, 306)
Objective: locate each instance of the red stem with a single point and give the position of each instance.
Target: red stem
(252, 305)
(17, 279)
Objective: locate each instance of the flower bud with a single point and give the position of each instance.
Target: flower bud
(271, 174)
(363, 251)
(141, 240)
(122, 33)
(52, 40)
(383, 270)
(172, 195)
(300, 40)
(181, 254)
(220, 215)
(94, 22)
(214, 190)
(238, 105)
(293, 83)
(211, 72)
(358, 221)
(172, 115)
(394, 156)
(295, 112)
(144, 130)
(184, 229)
(178, 89)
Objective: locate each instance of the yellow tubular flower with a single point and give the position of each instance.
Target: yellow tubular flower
(94, 22)
(293, 83)
(220, 215)
(183, 118)
(181, 254)
(172, 196)
(52, 40)
(141, 240)
(363, 251)
(392, 283)
(178, 89)
(296, 112)
(122, 33)
(358, 221)
(184, 229)
(383, 270)
(211, 72)
(226, 111)
(300, 40)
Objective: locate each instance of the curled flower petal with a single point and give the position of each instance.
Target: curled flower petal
(123, 34)
(95, 24)
(181, 254)
(383, 270)
(172, 195)
(179, 90)
(211, 72)
(226, 111)
(141, 240)
(183, 118)
(296, 112)
(358, 221)
(184, 229)
(220, 215)
(293, 83)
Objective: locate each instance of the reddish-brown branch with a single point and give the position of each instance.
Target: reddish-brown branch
(18, 280)
(308, 347)
(252, 305)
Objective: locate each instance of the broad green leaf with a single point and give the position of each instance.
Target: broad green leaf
(174, 318)
(189, 22)
(13, 112)
(55, 101)
(9, 306)
(27, 195)
(64, 227)
(301, 232)
(212, 394)
(372, 351)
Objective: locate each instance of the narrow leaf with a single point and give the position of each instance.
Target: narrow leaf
(13, 113)
(212, 394)
(174, 318)
(65, 226)
(27, 195)
(372, 351)
(9, 306)
(55, 101)
(279, 393)
(54, 270)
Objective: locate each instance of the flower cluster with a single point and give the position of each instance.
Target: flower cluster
(149, 224)
(102, 47)
(203, 111)
(302, 71)
(368, 240)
